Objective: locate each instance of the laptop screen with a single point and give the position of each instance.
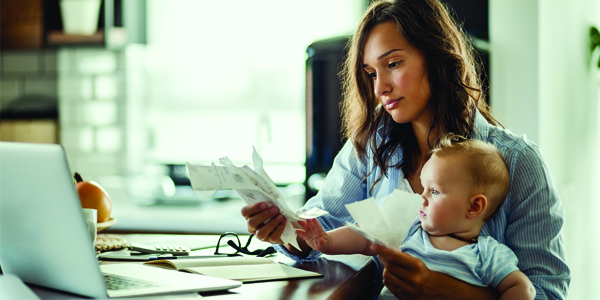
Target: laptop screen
(43, 234)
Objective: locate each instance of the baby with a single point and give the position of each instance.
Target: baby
(464, 183)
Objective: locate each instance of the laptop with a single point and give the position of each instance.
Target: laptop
(44, 238)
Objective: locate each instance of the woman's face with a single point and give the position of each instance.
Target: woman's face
(446, 195)
(399, 74)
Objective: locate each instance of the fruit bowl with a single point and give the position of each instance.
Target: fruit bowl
(103, 225)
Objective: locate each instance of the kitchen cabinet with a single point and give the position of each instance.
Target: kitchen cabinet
(21, 24)
(36, 24)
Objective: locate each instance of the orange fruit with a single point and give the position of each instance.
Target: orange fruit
(92, 195)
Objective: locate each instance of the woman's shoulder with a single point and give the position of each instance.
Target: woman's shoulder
(514, 148)
(504, 138)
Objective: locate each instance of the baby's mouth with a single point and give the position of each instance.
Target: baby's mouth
(422, 214)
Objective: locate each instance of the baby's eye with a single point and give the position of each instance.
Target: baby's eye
(435, 192)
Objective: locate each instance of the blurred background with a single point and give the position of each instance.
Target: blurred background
(156, 84)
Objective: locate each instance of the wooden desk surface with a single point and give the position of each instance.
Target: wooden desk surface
(344, 276)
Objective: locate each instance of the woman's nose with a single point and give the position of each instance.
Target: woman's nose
(382, 86)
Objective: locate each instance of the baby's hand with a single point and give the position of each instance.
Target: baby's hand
(314, 235)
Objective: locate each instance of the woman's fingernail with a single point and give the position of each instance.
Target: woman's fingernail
(279, 218)
(274, 209)
(263, 206)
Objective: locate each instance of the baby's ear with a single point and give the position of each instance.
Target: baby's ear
(477, 205)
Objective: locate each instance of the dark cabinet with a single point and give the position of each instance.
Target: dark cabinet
(21, 24)
(324, 138)
(35, 24)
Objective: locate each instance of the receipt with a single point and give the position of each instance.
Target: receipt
(389, 224)
(252, 185)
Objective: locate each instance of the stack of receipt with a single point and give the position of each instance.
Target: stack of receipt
(388, 225)
(252, 186)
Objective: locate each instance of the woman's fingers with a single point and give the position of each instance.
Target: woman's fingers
(275, 236)
(394, 259)
(395, 281)
(403, 274)
(256, 215)
(251, 210)
(265, 222)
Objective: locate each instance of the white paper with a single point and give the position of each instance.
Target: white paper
(252, 185)
(312, 213)
(389, 224)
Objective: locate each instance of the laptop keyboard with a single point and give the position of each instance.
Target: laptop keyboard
(116, 282)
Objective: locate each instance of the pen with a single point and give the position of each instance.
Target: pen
(192, 257)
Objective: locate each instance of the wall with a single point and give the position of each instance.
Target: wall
(569, 130)
(514, 66)
(544, 85)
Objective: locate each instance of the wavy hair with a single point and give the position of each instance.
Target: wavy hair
(456, 90)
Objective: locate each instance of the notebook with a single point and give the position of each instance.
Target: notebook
(44, 238)
(243, 268)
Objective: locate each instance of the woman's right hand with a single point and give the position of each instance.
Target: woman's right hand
(312, 232)
(256, 215)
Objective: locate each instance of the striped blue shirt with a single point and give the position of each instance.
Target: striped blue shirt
(529, 222)
(484, 263)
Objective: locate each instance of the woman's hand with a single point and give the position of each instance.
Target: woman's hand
(266, 223)
(312, 232)
(407, 277)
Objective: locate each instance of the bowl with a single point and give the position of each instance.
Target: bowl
(103, 225)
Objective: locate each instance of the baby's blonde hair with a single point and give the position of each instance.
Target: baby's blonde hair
(489, 174)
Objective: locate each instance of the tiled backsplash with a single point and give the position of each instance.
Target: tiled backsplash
(92, 97)
(28, 72)
(89, 85)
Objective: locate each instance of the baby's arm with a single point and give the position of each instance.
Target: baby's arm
(342, 240)
(516, 286)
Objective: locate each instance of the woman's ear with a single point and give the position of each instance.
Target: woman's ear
(477, 205)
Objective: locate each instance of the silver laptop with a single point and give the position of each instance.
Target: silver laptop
(44, 238)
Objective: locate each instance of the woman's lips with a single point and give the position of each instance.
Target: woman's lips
(391, 103)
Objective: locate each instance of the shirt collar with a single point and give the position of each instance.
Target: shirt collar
(481, 127)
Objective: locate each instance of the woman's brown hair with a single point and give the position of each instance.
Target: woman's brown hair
(456, 91)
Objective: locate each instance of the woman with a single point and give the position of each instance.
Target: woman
(410, 80)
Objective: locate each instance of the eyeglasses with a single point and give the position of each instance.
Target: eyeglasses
(238, 247)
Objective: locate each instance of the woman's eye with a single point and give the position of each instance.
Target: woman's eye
(373, 75)
(394, 64)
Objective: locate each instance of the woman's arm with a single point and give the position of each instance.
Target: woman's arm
(531, 221)
(407, 277)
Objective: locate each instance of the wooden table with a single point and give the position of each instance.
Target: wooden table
(344, 276)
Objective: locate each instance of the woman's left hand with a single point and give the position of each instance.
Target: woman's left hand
(405, 276)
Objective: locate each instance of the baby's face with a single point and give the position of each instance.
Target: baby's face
(446, 195)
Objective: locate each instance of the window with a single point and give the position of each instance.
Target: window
(215, 79)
